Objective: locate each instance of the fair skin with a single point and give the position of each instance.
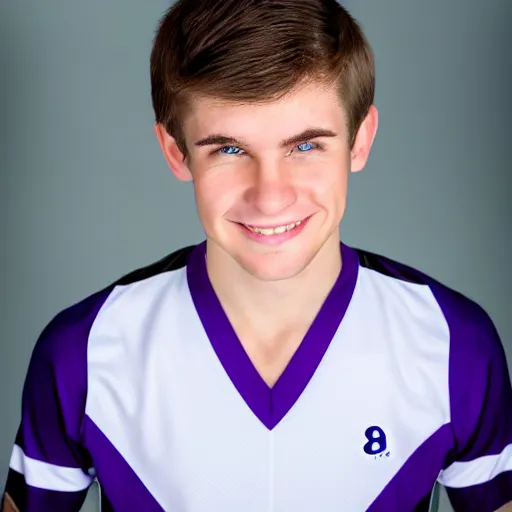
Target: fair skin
(264, 281)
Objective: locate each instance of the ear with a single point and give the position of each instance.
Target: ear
(172, 154)
(364, 140)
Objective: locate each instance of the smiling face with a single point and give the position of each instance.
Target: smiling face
(271, 179)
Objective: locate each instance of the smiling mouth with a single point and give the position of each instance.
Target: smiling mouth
(277, 230)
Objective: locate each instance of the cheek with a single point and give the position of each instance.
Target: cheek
(216, 192)
(326, 180)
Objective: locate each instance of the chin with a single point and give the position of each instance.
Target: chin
(274, 267)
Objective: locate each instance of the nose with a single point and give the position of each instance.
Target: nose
(271, 190)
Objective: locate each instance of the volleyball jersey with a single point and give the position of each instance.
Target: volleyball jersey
(144, 386)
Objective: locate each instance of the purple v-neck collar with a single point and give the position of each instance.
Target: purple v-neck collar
(270, 405)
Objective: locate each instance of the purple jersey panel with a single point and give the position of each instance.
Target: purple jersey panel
(481, 404)
(50, 467)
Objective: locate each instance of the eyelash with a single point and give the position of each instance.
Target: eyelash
(315, 145)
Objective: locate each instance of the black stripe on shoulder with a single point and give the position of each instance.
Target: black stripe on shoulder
(174, 261)
(390, 268)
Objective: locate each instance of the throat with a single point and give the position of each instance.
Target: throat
(271, 356)
(272, 336)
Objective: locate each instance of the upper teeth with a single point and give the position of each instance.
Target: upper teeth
(274, 231)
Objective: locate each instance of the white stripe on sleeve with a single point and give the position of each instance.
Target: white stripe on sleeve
(478, 471)
(48, 476)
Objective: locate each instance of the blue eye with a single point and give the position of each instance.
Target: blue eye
(230, 150)
(306, 147)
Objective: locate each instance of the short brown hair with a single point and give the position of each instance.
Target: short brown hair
(257, 50)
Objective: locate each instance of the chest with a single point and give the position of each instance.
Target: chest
(194, 441)
(182, 414)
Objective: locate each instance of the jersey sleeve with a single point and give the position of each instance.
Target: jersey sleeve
(49, 469)
(478, 476)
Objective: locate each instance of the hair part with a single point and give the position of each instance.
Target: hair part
(251, 51)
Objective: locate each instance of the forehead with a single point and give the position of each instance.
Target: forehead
(311, 105)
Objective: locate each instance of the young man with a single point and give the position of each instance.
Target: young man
(272, 367)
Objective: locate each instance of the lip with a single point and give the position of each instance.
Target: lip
(274, 240)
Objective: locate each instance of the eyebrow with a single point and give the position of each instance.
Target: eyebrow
(309, 134)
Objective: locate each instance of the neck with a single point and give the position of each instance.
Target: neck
(271, 306)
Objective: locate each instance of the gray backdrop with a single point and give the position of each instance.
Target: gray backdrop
(85, 195)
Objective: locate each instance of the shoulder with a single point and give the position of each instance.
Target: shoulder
(57, 382)
(471, 329)
(63, 342)
(478, 381)
(478, 377)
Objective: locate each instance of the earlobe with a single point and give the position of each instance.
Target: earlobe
(364, 140)
(172, 154)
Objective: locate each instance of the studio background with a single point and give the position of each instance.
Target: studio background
(85, 195)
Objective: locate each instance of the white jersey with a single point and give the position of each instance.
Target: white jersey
(400, 382)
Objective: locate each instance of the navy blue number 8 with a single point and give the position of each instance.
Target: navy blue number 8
(376, 441)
